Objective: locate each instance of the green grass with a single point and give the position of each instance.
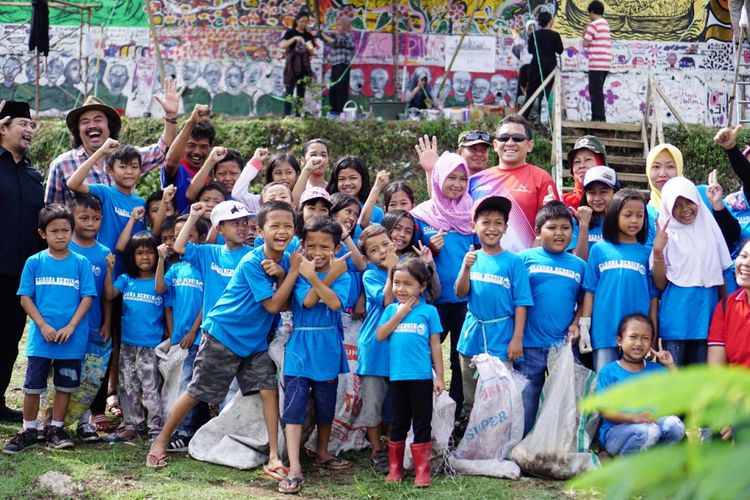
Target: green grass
(118, 471)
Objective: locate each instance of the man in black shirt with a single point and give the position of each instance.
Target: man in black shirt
(21, 198)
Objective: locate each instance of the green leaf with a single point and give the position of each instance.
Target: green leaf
(358, 24)
(383, 19)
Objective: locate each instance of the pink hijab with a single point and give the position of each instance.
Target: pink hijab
(442, 212)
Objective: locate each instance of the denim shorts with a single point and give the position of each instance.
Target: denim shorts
(297, 393)
(66, 374)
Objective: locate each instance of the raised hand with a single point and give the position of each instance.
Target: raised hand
(170, 99)
(197, 210)
(338, 266)
(260, 154)
(663, 356)
(6, 119)
(168, 193)
(727, 137)
(162, 251)
(391, 258)
(137, 213)
(307, 268)
(714, 192)
(437, 241)
(427, 150)
(661, 239)
(313, 163)
(470, 258)
(550, 196)
(583, 214)
(381, 180)
(424, 253)
(109, 146)
(200, 112)
(111, 260)
(405, 308)
(295, 259)
(217, 154)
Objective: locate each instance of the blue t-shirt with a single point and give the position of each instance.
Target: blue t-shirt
(57, 287)
(685, 312)
(97, 256)
(315, 349)
(142, 311)
(556, 285)
(116, 208)
(372, 356)
(611, 374)
(355, 281)
(182, 182)
(185, 297)
(449, 260)
(499, 284)
(239, 320)
(738, 206)
(620, 279)
(294, 244)
(409, 344)
(595, 234)
(652, 215)
(216, 264)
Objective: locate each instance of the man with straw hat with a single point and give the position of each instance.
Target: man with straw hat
(90, 126)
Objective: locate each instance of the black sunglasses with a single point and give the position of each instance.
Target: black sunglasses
(476, 135)
(515, 137)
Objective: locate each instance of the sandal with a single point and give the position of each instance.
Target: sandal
(379, 462)
(101, 422)
(279, 473)
(290, 485)
(113, 405)
(122, 436)
(156, 462)
(334, 463)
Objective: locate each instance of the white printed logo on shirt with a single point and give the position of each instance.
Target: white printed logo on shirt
(143, 297)
(557, 271)
(122, 212)
(490, 278)
(622, 264)
(221, 271)
(56, 281)
(417, 328)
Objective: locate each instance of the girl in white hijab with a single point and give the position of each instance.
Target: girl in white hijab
(687, 261)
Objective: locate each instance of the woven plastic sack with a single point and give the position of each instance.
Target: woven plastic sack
(93, 369)
(171, 358)
(443, 415)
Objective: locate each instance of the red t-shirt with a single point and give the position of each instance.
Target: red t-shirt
(730, 328)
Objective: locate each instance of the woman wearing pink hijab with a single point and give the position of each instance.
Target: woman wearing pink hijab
(444, 223)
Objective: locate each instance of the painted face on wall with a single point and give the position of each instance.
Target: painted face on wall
(97, 69)
(277, 81)
(55, 69)
(480, 90)
(378, 81)
(212, 74)
(233, 78)
(11, 69)
(72, 72)
(252, 75)
(498, 87)
(190, 72)
(118, 78)
(513, 88)
(447, 87)
(356, 81)
(461, 84)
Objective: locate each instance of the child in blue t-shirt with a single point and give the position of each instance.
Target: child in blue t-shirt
(631, 430)
(142, 331)
(556, 279)
(183, 286)
(412, 329)
(599, 186)
(87, 213)
(618, 281)
(492, 326)
(372, 356)
(688, 262)
(235, 331)
(56, 291)
(314, 355)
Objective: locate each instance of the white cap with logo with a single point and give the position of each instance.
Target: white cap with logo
(228, 210)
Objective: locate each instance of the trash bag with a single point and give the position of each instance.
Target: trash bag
(443, 414)
(496, 421)
(346, 434)
(171, 358)
(558, 445)
(493, 467)
(93, 369)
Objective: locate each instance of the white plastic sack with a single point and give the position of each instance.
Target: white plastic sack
(346, 434)
(558, 445)
(171, 358)
(496, 421)
(493, 467)
(443, 414)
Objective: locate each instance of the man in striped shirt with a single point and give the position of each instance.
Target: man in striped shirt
(596, 39)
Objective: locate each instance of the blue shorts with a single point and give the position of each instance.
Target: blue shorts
(66, 375)
(296, 394)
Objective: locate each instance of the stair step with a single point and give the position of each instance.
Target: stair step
(609, 142)
(615, 127)
(635, 161)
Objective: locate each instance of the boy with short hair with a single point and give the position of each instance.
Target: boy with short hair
(235, 331)
(556, 278)
(87, 214)
(314, 355)
(492, 326)
(373, 358)
(56, 290)
(183, 285)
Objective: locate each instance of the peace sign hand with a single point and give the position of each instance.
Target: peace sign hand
(663, 356)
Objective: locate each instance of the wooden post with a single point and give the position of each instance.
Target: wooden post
(155, 41)
(736, 75)
(394, 50)
(557, 130)
(663, 95)
(36, 86)
(647, 108)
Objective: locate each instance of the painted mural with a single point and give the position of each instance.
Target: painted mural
(226, 53)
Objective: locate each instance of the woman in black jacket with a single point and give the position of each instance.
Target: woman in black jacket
(544, 46)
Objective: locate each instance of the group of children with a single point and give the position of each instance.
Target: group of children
(609, 272)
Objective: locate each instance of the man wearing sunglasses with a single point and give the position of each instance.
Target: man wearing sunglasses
(474, 146)
(524, 184)
(21, 198)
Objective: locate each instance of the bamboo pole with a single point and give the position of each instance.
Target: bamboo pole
(458, 48)
(155, 41)
(36, 86)
(529, 101)
(736, 74)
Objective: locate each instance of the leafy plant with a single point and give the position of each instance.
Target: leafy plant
(708, 397)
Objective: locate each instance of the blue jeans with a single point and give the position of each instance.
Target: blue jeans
(186, 426)
(622, 439)
(604, 356)
(534, 368)
(687, 352)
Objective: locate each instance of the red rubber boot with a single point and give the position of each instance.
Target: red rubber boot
(421, 455)
(396, 461)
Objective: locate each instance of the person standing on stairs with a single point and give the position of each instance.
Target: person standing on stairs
(597, 40)
(544, 47)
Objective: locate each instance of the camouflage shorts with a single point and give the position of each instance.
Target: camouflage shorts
(216, 366)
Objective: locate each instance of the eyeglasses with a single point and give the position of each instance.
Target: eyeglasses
(475, 135)
(515, 137)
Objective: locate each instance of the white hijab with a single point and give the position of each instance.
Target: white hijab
(696, 254)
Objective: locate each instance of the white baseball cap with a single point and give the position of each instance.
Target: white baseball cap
(602, 174)
(228, 210)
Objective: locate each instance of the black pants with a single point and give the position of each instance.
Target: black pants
(535, 81)
(338, 94)
(452, 317)
(300, 94)
(412, 405)
(596, 91)
(14, 319)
